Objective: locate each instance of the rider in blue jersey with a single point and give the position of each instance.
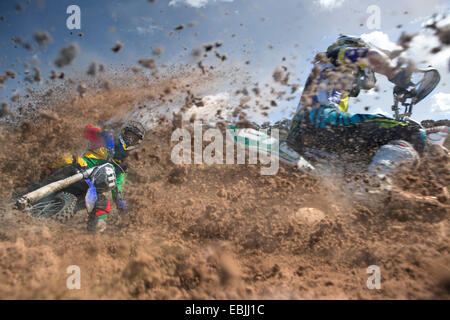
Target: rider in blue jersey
(322, 120)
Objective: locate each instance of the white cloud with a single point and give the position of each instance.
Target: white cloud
(372, 92)
(144, 25)
(441, 102)
(441, 20)
(142, 30)
(419, 52)
(380, 40)
(329, 4)
(444, 23)
(194, 3)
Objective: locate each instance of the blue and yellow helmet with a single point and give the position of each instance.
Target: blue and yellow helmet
(347, 41)
(131, 135)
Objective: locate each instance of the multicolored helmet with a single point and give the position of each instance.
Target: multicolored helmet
(131, 135)
(345, 40)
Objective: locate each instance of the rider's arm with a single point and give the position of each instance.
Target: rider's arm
(379, 62)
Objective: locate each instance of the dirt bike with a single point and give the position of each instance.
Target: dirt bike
(55, 200)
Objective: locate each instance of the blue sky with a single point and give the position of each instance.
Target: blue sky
(296, 30)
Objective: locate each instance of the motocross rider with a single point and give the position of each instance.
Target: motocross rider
(322, 120)
(103, 148)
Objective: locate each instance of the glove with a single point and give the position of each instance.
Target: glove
(402, 79)
(122, 206)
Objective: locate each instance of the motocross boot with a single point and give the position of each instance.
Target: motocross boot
(96, 223)
(388, 158)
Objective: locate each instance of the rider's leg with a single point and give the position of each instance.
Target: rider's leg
(102, 207)
(97, 218)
